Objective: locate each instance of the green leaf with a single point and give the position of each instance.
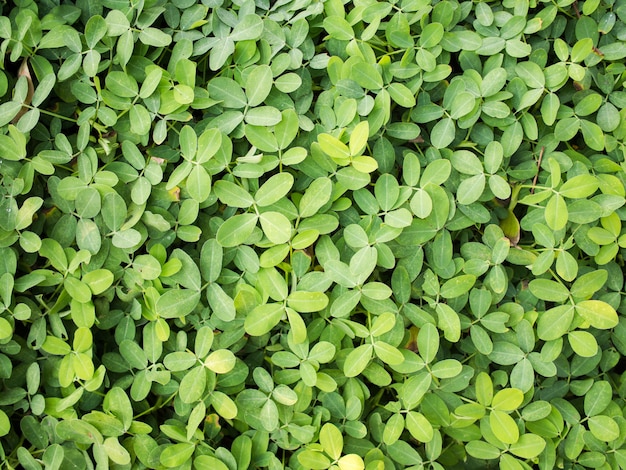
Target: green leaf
(426, 60)
(150, 84)
(98, 280)
(313, 460)
(249, 28)
(608, 117)
(221, 52)
(221, 361)
(482, 450)
(77, 289)
(555, 322)
(122, 84)
(355, 236)
(43, 90)
(288, 83)
(581, 49)
(286, 130)
(531, 73)
(236, 230)
(443, 133)
(232, 195)
(209, 144)
(415, 388)
(506, 353)
(598, 398)
(471, 189)
(304, 302)
(263, 318)
(263, 116)
(199, 184)
(428, 342)
(431, 35)
(259, 84)
(228, 92)
(367, 76)
(503, 427)
(8, 111)
(588, 105)
(580, 186)
(466, 162)
(117, 23)
(508, 399)
(419, 427)
(357, 360)
(421, 203)
(211, 260)
(78, 431)
(221, 303)
(358, 138)
(499, 187)
(529, 446)
(323, 352)
(95, 29)
(567, 128)
(546, 289)
(401, 95)
(449, 322)
(154, 37)
(462, 104)
(589, 283)
(457, 286)
(114, 210)
(53, 456)
(393, 429)
(178, 361)
(298, 327)
(224, 405)
(583, 343)
(604, 428)
(566, 266)
(193, 385)
(331, 440)
(207, 461)
(592, 134)
(116, 452)
(276, 227)
(599, 314)
(315, 197)
(12, 150)
(549, 108)
(362, 164)
(388, 354)
(556, 212)
(177, 303)
(338, 28)
(447, 369)
(376, 290)
(140, 120)
(274, 189)
(6, 330)
(436, 172)
(176, 454)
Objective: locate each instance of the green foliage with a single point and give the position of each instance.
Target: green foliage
(312, 235)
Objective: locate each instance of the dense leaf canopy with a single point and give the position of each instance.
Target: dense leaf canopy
(312, 234)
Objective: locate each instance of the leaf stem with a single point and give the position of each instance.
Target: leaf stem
(532, 190)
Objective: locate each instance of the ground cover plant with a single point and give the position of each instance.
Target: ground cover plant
(309, 235)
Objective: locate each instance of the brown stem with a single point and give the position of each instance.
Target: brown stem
(532, 190)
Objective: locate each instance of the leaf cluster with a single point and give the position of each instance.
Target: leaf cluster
(312, 235)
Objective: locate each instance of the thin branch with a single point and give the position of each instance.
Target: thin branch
(532, 190)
